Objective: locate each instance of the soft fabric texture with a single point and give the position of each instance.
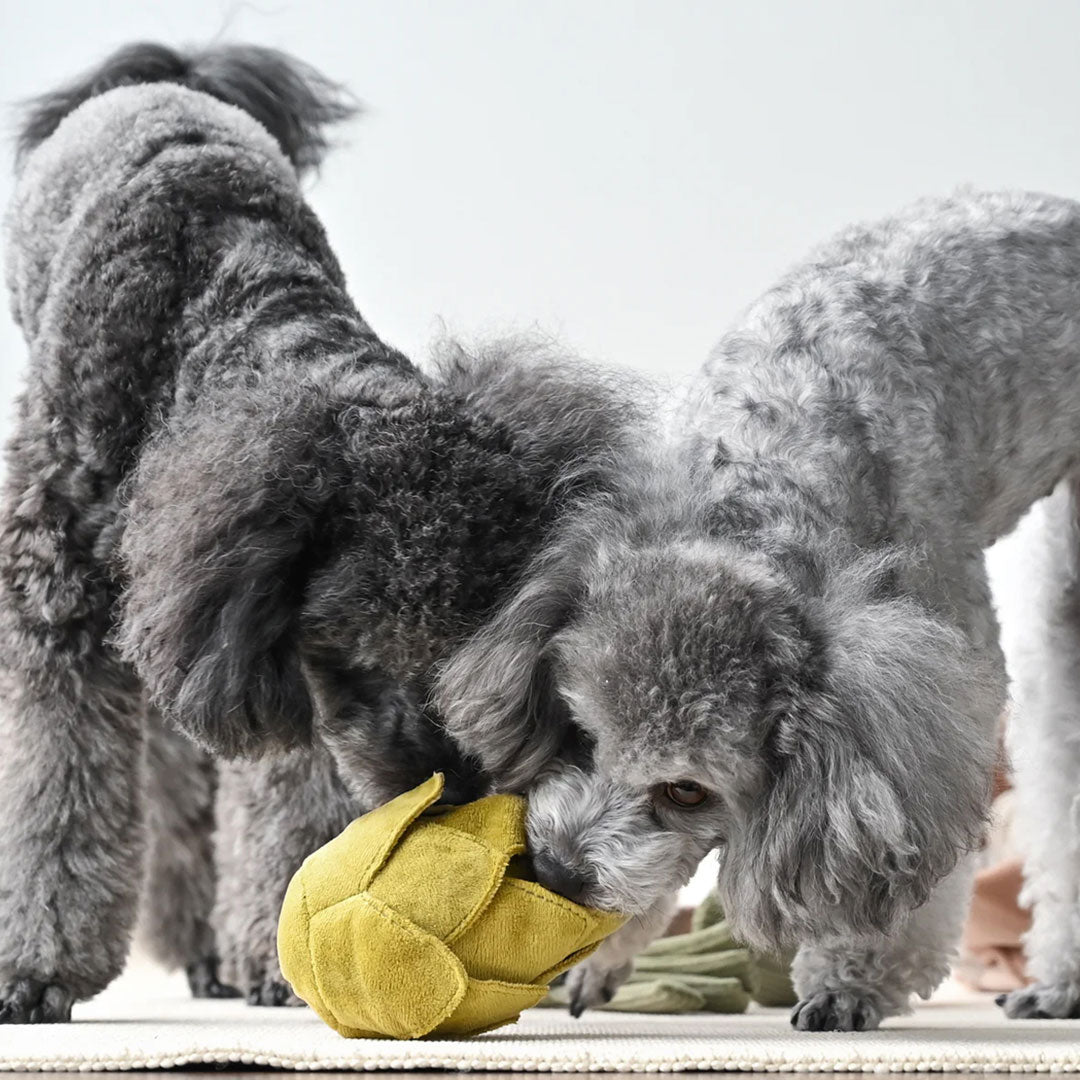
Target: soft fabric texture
(992, 949)
(147, 1022)
(701, 970)
(406, 924)
(993, 936)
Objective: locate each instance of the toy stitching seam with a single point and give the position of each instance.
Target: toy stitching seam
(395, 835)
(542, 894)
(314, 973)
(500, 861)
(509, 988)
(568, 961)
(412, 930)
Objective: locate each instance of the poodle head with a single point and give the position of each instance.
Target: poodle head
(669, 699)
(300, 552)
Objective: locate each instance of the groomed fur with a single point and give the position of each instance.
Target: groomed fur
(157, 241)
(292, 100)
(408, 504)
(225, 494)
(792, 611)
(447, 500)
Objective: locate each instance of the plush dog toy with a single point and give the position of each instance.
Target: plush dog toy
(409, 924)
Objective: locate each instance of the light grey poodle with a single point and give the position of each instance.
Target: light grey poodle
(230, 510)
(779, 640)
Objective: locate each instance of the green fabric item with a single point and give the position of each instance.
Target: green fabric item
(708, 939)
(708, 912)
(726, 962)
(720, 994)
(704, 970)
(661, 996)
(770, 980)
(653, 996)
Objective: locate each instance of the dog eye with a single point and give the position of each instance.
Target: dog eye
(685, 793)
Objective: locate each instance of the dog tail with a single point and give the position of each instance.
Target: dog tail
(292, 100)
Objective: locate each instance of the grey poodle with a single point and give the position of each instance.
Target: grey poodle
(230, 511)
(779, 641)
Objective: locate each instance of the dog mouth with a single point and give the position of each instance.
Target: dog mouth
(464, 784)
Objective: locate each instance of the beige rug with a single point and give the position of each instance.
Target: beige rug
(148, 1024)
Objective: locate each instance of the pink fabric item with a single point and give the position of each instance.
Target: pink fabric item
(992, 951)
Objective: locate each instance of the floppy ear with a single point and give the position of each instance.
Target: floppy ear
(222, 510)
(572, 426)
(879, 776)
(496, 694)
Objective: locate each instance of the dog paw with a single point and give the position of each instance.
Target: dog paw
(1042, 1001)
(589, 985)
(204, 979)
(32, 1001)
(271, 993)
(835, 1010)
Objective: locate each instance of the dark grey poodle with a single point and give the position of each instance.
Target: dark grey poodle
(230, 506)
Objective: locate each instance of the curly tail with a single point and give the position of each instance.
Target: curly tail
(292, 100)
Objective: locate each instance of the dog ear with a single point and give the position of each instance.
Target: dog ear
(878, 776)
(574, 427)
(222, 510)
(497, 693)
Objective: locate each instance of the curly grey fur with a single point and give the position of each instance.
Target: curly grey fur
(227, 494)
(292, 100)
(792, 609)
(179, 891)
(122, 225)
(272, 814)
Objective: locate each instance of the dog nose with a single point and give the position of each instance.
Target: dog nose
(560, 878)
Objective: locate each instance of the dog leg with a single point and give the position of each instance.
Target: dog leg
(1042, 644)
(271, 815)
(179, 896)
(71, 815)
(850, 986)
(594, 981)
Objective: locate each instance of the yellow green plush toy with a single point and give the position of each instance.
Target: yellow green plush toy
(411, 924)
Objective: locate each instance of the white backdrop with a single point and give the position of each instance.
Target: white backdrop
(625, 174)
